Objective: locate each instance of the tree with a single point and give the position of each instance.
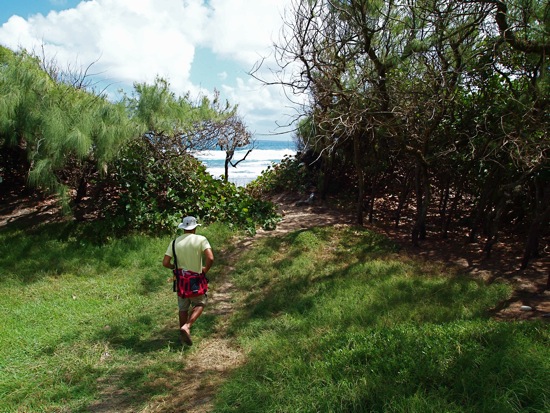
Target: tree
(63, 130)
(226, 131)
(451, 96)
(345, 75)
(135, 153)
(232, 134)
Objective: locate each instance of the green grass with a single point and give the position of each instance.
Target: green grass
(78, 319)
(333, 320)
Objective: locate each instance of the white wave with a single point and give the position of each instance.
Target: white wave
(246, 171)
(255, 155)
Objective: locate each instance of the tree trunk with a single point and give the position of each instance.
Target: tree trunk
(360, 177)
(494, 225)
(489, 186)
(532, 243)
(452, 211)
(403, 196)
(228, 157)
(87, 170)
(443, 203)
(422, 203)
(371, 201)
(539, 222)
(326, 171)
(81, 190)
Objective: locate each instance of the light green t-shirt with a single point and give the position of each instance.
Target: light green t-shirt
(189, 248)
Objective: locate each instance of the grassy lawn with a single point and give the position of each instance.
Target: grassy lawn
(335, 322)
(332, 320)
(79, 320)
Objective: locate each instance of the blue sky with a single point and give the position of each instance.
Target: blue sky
(26, 8)
(198, 45)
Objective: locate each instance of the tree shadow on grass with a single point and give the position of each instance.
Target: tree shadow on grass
(128, 389)
(132, 335)
(129, 386)
(393, 291)
(170, 377)
(43, 251)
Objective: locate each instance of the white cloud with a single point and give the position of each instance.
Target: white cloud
(15, 32)
(245, 29)
(258, 102)
(136, 40)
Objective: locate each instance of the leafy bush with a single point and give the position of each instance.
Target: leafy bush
(289, 174)
(151, 189)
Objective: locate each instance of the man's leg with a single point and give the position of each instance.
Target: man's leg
(183, 306)
(195, 313)
(198, 305)
(183, 317)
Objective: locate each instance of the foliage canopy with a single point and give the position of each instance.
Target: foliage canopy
(127, 163)
(441, 105)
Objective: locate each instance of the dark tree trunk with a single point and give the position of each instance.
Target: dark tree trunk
(494, 225)
(87, 171)
(483, 201)
(81, 190)
(538, 224)
(443, 203)
(228, 158)
(452, 211)
(360, 177)
(326, 172)
(422, 203)
(403, 196)
(371, 201)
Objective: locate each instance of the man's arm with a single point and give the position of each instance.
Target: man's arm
(209, 260)
(166, 262)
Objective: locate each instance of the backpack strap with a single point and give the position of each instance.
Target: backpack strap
(176, 272)
(174, 253)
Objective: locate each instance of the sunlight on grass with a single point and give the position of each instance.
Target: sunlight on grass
(80, 319)
(334, 322)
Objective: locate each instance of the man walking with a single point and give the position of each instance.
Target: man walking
(190, 249)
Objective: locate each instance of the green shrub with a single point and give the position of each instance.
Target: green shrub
(289, 174)
(150, 190)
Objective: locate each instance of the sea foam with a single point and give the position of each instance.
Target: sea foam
(246, 171)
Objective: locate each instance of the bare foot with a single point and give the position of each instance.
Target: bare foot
(186, 335)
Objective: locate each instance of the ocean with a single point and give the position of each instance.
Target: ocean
(263, 155)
